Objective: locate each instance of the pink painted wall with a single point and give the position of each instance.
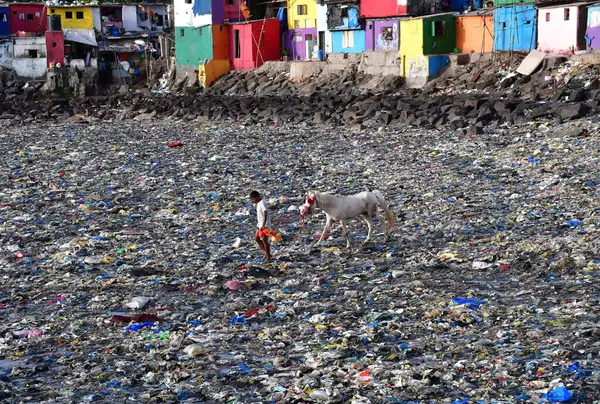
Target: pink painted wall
(558, 33)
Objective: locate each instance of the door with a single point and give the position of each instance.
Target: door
(322, 41)
(311, 42)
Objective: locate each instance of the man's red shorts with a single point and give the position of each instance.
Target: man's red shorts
(260, 234)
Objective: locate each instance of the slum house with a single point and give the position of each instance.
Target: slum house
(55, 43)
(475, 32)
(562, 28)
(382, 35)
(29, 60)
(397, 8)
(347, 32)
(235, 11)
(324, 38)
(301, 38)
(424, 45)
(515, 28)
(79, 25)
(253, 43)
(27, 19)
(152, 18)
(201, 40)
(124, 59)
(592, 33)
(4, 21)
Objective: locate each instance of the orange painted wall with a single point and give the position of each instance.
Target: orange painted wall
(475, 33)
(220, 42)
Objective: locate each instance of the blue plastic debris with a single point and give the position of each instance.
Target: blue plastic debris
(559, 395)
(472, 303)
(574, 223)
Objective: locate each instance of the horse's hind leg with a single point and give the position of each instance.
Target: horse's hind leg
(369, 226)
(346, 233)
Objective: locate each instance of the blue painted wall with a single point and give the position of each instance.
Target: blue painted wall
(515, 28)
(436, 64)
(4, 22)
(360, 44)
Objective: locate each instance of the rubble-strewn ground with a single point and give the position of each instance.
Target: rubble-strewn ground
(92, 215)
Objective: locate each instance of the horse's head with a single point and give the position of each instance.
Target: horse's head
(309, 200)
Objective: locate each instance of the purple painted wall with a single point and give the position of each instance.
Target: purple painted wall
(592, 34)
(297, 48)
(382, 35)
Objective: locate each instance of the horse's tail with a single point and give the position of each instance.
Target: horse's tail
(383, 204)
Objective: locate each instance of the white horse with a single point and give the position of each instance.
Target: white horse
(340, 208)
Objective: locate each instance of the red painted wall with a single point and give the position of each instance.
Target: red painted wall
(382, 8)
(55, 47)
(37, 25)
(250, 35)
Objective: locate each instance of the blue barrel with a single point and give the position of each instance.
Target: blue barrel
(320, 55)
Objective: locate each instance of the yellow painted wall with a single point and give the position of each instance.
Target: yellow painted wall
(411, 48)
(311, 15)
(209, 72)
(87, 22)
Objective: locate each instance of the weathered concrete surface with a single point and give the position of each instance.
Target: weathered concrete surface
(304, 70)
(380, 63)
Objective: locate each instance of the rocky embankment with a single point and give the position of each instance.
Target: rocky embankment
(470, 98)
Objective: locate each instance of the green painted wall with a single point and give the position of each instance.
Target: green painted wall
(509, 2)
(193, 45)
(440, 44)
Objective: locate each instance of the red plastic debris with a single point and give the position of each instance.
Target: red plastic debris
(175, 144)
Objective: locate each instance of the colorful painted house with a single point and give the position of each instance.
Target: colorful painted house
(424, 45)
(394, 8)
(30, 57)
(347, 31)
(254, 42)
(475, 32)
(500, 3)
(382, 35)
(301, 38)
(592, 33)
(55, 48)
(146, 17)
(201, 39)
(515, 28)
(4, 21)
(324, 39)
(562, 29)
(27, 17)
(77, 17)
(235, 11)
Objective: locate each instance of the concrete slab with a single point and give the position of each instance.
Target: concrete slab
(303, 70)
(531, 62)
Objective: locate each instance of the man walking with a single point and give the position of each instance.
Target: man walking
(263, 222)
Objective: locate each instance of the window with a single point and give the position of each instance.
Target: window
(32, 53)
(181, 32)
(52, 11)
(79, 15)
(3, 17)
(229, 1)
(527, 22)
(296, 24)
(297, 38)
(188, 1)
(302, 9)
(69, 15)
(439, 28)
(54, 44)
(567, 14)
(308, 37)
(347, 39)
(200, 32)
(29, 17)
(503, 25)
(547, 17)
(387, 33)
(236, 44)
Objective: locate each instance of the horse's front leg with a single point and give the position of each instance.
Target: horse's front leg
(346, 232)
(325, 230)
(369, 226)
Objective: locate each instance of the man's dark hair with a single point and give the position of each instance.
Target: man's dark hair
(254, 194)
